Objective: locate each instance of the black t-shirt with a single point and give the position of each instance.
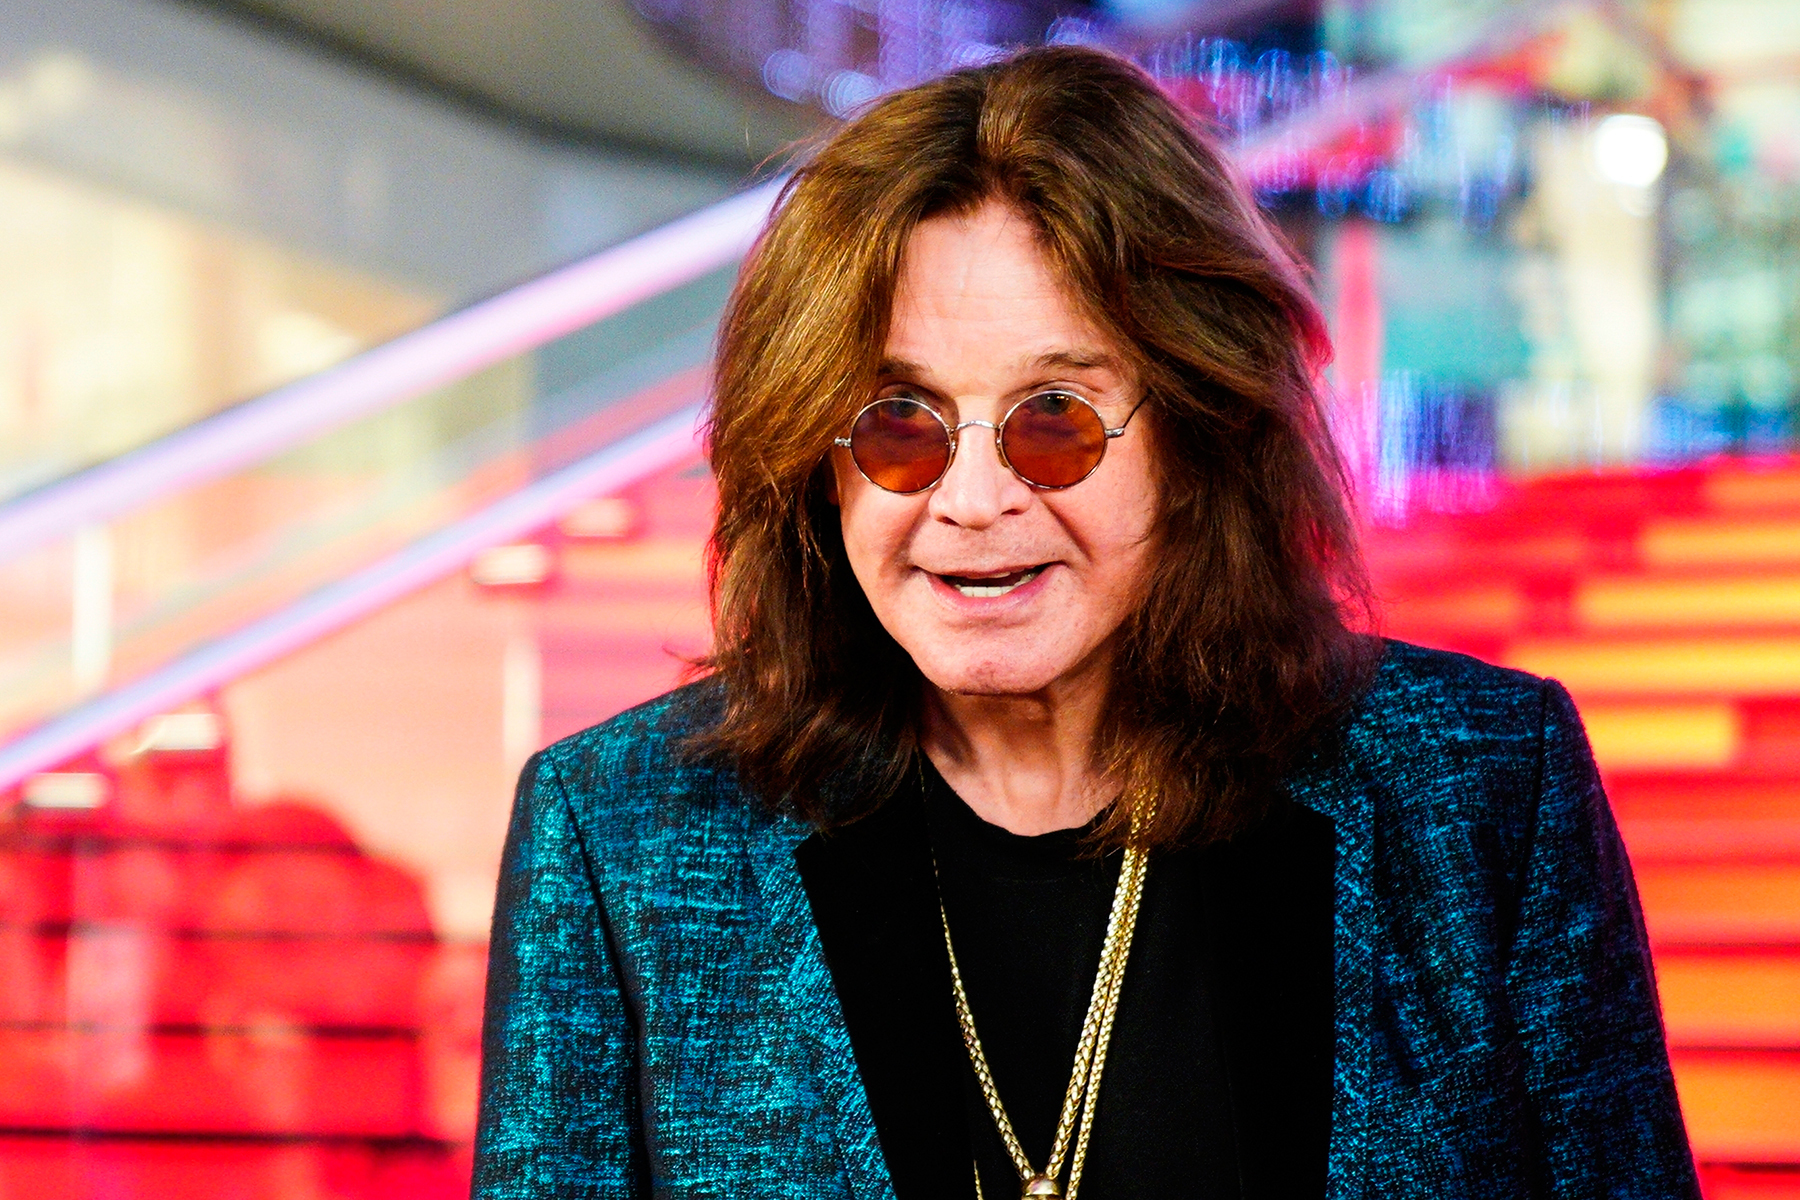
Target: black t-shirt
(1219, 1078)
(1028, 916)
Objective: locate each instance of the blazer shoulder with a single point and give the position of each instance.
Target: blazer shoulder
(1456, 693)
(1452, 738)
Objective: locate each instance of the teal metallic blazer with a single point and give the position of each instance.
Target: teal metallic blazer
(661, 1020)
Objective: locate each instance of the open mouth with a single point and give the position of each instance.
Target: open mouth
(987, 586)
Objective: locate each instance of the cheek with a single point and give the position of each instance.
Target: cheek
(845, 489)
(841, 476)
(875, 525)
(1116, 521)
(1125, 561)
(1139, 498)
(1116, 530)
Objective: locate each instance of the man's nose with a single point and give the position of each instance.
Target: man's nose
(979, 488)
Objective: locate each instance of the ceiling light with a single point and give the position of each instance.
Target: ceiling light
(1630, 150)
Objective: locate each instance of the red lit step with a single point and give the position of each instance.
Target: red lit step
(43, 1168)
(1730, 998)
(1673, 795)
(1733, 903)
(1707, 815)
(1587, 519)
(1740, 1105)
(139, 816)
(1613, 668)
(1710, 837)
(1727, 1182)
(58, 881)
(269, 1080)
(216, 981)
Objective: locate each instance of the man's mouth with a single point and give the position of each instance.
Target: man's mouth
(982, 587)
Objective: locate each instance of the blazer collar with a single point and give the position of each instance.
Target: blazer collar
(812, 1009)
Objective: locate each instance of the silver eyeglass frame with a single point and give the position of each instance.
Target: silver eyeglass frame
(951, 432)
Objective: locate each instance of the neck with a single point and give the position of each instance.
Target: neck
(1024, 763)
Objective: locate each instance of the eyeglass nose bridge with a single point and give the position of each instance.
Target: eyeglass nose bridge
(999, 445)
(1110, 434)
(956, 434)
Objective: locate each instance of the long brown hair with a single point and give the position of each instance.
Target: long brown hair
(1240, 656)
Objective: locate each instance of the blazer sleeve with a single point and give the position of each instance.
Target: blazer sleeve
(559, 1113)
(1584, 993)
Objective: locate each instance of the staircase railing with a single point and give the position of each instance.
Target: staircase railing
(452, 348)
(663, 444)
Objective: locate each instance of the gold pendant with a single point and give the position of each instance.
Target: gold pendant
(1040, 1185)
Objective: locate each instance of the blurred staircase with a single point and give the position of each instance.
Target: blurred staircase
(1669, 604)
(206, 994)
(201, 998)
(209, 993)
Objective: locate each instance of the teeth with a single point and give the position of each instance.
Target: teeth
(998, 587)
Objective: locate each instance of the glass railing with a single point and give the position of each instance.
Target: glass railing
(130, 588)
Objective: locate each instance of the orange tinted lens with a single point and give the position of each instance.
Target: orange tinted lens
(900, 445)
(1053, 440)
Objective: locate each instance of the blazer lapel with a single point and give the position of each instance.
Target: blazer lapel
(1334, 785)
(812, 1008)
(873, 897)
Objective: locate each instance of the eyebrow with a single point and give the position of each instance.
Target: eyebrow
(1072, 360)
(1077, 360)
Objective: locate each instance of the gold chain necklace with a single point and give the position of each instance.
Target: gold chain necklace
(1090, 1051)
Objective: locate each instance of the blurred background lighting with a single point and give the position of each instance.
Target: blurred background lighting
(66, 790)
(1630, 150)
(182, 732)
(604, 518)
(846, 91)
(519, 565)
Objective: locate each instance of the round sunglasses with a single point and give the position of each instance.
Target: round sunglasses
(1051, 439)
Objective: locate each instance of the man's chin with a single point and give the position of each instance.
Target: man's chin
(995, 680)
